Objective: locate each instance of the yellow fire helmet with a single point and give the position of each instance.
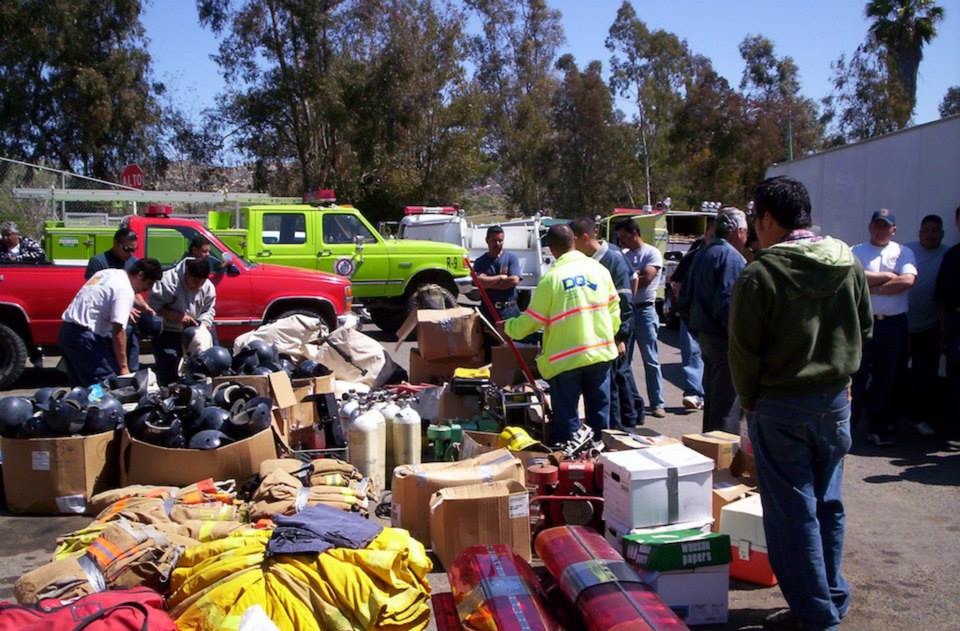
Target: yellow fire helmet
(515, 439)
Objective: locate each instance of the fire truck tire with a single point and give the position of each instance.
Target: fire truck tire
(13, 356)
(388, 318)
(310, 314)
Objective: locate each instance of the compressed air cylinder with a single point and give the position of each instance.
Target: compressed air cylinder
(367, 446)
(389, 410)
(495, 590)
(406, 440)
(594, 577)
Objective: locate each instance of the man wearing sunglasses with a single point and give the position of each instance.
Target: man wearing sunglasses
(121, 256)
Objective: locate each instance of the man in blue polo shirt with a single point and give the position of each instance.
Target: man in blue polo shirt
(499, 273)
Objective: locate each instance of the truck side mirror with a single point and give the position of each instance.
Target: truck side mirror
(358, 241)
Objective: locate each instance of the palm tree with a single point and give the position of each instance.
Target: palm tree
(903, 27)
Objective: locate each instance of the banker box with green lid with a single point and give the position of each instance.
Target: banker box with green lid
(676, 550)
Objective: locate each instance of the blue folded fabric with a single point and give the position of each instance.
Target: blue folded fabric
(318, 528)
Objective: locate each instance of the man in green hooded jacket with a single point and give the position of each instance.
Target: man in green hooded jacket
(799, 316)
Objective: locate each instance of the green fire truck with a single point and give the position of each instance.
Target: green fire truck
(337, 238)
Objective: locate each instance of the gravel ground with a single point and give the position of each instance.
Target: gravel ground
(901, 555)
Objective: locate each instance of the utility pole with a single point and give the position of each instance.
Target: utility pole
(789, 134)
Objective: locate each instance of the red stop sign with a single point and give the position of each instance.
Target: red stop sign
(132, 176)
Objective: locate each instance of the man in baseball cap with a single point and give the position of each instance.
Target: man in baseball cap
(891, 270)
(16, 248)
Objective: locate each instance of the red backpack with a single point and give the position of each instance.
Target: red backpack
(138, 609)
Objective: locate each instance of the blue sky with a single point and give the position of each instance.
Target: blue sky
(813, 32)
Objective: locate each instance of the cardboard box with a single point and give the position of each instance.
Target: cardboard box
(439, 371)
(639, 438)
(143, 463)
(58, 475)
(697, 595)
(291, 409)
(490, 513)
(676, 549)
(719, 446)
(276, 385)
(656, 486)
(459, 406)
(476, 443)
(743, 522)
(726, 489)
(414, 485)
(504, 369)
(614, 531)
(444, 333)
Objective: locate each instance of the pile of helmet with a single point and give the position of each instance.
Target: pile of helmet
(259, 358)
(53, 412)
(196, 416)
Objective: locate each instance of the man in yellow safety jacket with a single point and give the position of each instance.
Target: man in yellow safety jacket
(577, 306)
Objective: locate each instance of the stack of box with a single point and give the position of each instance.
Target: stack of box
(480, 514)
(447, 339)
(414, 486)
(658, 486)
(742, 520)
(688, 569)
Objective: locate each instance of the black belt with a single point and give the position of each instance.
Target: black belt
(649, 303)
(503, 305)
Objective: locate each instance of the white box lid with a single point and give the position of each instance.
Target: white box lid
(743, 521)
(652, 463)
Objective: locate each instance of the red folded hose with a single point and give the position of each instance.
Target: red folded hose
(593, 576)
(495, 590)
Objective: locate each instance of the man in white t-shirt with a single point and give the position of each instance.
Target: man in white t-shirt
(891, 271)
(93, 338)
(647, 262)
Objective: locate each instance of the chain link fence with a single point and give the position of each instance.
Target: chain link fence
(31, 194)
(30, 212)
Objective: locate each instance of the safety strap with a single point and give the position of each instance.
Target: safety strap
(673, 486)
(616, 582)
(92, 572)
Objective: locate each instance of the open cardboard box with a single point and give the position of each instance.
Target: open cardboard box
(143, 463)
(476, 443)
(480, 514)
(291, 410)
(444, 333)
(414, 485)
(58, 475)
(639, 438)
(439, 371)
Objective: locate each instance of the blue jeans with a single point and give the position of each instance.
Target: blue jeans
(89, 357)
(167, 351)
(799, 443)
(133, 348)
(692, 363)
(646, 324)
(593, 382)
(623, 409)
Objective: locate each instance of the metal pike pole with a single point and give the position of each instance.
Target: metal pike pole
(527, 373)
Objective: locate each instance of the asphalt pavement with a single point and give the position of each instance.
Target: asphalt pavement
(901, 557)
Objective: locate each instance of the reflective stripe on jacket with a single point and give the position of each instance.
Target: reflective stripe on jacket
(577, 306)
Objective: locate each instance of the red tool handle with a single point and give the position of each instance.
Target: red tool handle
(527, 373)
